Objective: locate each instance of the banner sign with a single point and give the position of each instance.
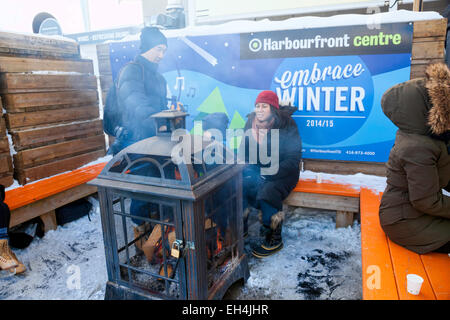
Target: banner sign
(335, 77)
(103, 35)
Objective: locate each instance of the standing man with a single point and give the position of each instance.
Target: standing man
(141, 91)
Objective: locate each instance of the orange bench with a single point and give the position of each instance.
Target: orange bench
(342, 198)
(41, 198)
(386, 264)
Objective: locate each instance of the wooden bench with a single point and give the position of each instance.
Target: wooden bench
(386, 264)
(40, 199)
(327, 195)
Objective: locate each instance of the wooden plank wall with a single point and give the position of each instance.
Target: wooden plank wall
(6, 166)
(104, 68)
(50, 101)
(428, 47)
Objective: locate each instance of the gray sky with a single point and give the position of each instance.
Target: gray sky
(17, 15)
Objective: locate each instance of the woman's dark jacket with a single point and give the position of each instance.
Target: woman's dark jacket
(277, 187)
(141, 92)
(414, 212)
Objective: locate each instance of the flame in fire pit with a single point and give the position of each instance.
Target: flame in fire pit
(218, 242)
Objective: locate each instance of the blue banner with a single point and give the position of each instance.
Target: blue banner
(335, 77)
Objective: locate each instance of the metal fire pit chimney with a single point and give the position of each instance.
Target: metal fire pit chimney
(171, 231)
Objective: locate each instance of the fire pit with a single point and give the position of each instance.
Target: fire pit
(190, 216)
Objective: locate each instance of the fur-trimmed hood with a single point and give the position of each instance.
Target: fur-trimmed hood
(438, 87)
(421, 106)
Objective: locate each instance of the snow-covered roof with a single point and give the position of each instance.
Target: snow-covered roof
(240, 26)
(38, 35)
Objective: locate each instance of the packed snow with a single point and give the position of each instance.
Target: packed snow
(318, 261)
(72, 249)
(355, 181)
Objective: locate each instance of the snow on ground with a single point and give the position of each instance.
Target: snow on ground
(54, 261)
(317, 262)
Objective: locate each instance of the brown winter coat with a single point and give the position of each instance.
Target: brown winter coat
(414, 212)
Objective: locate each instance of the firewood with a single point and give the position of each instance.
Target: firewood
(169, 271)
(150, 245)
(209, 224)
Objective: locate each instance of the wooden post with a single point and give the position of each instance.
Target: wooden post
(344, 219)
(49, 220)
(418, 5)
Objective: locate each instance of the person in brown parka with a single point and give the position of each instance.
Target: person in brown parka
(414, 212)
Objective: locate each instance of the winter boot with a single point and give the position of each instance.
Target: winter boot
(271, 241)
(20, 266)
(7, 261)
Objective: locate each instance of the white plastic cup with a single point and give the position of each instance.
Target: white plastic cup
(319, 177)
(413, 283)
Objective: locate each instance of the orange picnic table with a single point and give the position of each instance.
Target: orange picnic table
(43, 197)
(386, 264)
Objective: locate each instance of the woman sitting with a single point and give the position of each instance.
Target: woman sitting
(266, 192)
(414, 212)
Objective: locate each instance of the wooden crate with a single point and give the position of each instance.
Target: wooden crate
(23, 44)
(45, 117)
(49, 169)
(33, 64)
(44, 151)
(6, 169)
(51, 101)
(104, 66)
(2, 124)
(6, 166)
(6, 180)
(26, 83)
(428, 45)
(53, 152)
(41, 136)
(20, 102)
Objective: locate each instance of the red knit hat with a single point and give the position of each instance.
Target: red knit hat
(269, 97)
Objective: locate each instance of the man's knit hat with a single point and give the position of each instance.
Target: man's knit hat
(269, 97)
(150, 38)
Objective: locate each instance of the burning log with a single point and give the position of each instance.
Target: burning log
(169, 272)
(154, 242)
